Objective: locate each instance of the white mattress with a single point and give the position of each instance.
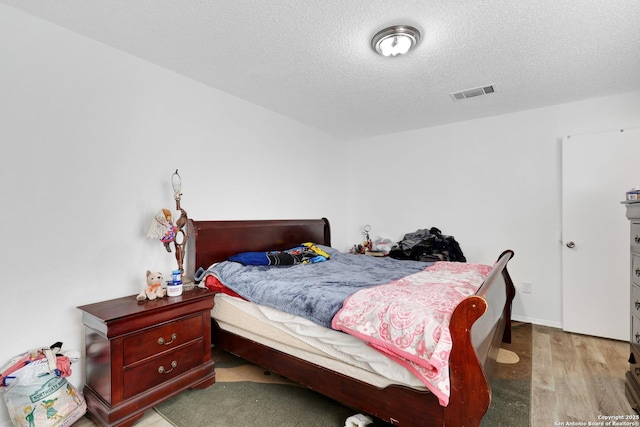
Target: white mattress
(306, 340)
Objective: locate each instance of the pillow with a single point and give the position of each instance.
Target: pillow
(306, 253)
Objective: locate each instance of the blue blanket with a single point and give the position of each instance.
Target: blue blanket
(313, 291)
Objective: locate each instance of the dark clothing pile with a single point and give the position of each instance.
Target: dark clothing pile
(428, 245)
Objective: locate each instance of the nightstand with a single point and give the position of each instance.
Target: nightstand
(140, 353)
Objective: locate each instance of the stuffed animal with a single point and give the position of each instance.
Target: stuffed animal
(154, 287)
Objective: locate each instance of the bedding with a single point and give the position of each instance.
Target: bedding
(313, 291)
(408, 319)
(305, 339)
(404, 316)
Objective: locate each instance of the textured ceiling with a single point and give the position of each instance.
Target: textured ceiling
(312, 60)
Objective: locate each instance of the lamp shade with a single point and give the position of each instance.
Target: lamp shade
(161, 227)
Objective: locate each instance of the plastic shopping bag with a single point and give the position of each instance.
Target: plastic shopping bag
(37, 393)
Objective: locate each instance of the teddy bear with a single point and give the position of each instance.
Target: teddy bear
(153, 289)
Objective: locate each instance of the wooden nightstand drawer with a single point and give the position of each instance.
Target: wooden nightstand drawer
(162, 338)
(635, 237)
(161, 369)
(635, 331)
(635, 300)
(635, 269)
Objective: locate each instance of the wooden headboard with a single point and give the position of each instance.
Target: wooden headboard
(215, 241)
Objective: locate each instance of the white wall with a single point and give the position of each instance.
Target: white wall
(90, 137)
(493, 183)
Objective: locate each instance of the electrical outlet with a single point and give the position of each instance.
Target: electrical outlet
(527, 287)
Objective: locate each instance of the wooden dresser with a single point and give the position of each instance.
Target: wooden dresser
(632, 385)
(139, 353)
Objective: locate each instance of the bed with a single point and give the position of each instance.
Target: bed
(477, 326)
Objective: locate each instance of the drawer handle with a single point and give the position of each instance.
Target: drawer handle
(637, 239)
(638, 337)
(638, 271)
(162, 370)
(637, 304)
(637, 371)
(161, 340)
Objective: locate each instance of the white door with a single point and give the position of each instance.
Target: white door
(597, 170)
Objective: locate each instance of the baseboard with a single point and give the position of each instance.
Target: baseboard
(541, 322)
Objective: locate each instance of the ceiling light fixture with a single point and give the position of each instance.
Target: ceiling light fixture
(396, 40)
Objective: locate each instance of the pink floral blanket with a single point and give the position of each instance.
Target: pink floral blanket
(408, 319)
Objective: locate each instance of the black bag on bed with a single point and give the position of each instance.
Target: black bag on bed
(428, 245)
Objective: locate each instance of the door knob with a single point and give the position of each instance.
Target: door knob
(571, 245)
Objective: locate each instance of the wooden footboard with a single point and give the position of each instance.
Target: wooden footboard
(477, 326)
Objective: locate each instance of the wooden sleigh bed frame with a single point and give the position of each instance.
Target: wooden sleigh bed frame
(478, 325)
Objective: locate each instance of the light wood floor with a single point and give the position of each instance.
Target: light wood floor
(574, 378)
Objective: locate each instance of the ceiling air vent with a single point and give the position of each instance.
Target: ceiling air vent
(470, 93)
